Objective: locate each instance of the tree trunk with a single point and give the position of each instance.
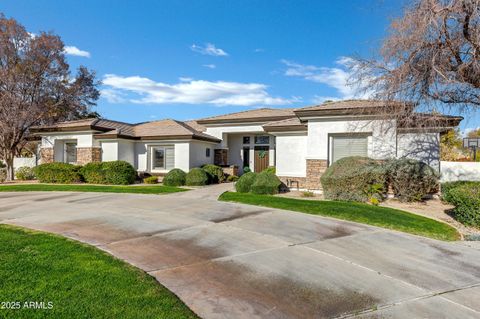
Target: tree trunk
(10, 170)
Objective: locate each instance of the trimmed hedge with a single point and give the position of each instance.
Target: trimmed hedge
(151, 180)
(411, 180)
(266, 183)
(119, 173)
(353, 179)
(215, 173)
(245, 182)
(175, 177)
(63, 173)
(465, 196)
(3, 174)
(232, 178)
(25, 173)
(93, 173)
(196, 177)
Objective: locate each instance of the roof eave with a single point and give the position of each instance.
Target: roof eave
(244, 120)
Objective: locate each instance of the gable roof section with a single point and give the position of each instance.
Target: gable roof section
(164, 129)
(256, 115)
(351, 107)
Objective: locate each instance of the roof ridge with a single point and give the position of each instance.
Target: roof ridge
(240, 112)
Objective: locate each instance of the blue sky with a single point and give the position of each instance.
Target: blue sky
(192, 59)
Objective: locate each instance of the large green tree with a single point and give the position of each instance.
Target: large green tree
(36, 86)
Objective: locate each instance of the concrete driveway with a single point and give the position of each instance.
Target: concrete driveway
(236, 261)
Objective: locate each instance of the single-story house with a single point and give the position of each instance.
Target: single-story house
(300, 142)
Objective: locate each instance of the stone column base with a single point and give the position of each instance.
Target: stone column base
(88, 155)
(315, 170)
(47, 155)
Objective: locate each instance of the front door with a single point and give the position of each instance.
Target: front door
(261, 158)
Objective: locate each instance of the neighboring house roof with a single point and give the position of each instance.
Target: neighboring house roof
(163, 129)
(256, 115)
(351, 107)
(288, 125)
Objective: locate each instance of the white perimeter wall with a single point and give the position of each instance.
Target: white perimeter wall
(381, 144)
(291, 155)
(421, 146)
(459, 171)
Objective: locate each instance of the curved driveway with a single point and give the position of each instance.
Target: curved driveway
(229, 260)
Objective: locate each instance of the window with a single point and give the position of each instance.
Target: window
(246, 140)
(70, 152)
(349, 145)
(207, 152)
(162, 158)
(262, 139)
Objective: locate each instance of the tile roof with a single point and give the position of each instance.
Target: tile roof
(263, 114)
(291, 124)
(348, 104)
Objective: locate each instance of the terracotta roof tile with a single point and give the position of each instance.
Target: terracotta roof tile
(250, 115)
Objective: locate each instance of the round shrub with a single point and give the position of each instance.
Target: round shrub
(245, 182)
(93, 173)
(196, 177)
(215, 173)
(25, 173)
(119, 172)
(465, 196)
(150, 180)
(232, 178)
(176, 177)
(411, 180)
(354, 179)
(246, 169)
(266, 183)
(63, 173)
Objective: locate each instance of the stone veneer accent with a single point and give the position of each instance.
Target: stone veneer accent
(47, 155)
(315, 169)
(230, 170)
(88, 154)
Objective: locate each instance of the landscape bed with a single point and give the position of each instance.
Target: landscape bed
(357, 212)
(76, 280)
(151, 189)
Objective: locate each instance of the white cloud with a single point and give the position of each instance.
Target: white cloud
(72, 50)
(336, 77)
(210, 66)
(259, 50)
(317, 99)
(185, 79)
(146, 91)
(208, 49)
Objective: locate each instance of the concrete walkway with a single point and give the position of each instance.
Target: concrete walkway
(229, 260)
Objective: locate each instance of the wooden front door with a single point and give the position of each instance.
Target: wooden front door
(261, 158)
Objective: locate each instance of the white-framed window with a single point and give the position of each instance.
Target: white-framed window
(70, 150)
(345, 145)
(162, 158)
(262, 139)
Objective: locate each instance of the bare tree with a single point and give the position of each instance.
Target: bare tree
(36, 86)
(431, 57)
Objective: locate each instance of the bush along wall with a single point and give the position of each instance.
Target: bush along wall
(363, 179)
(196, 177)
(215, 173)
(245, 182)
(465, 196)
(62, 173)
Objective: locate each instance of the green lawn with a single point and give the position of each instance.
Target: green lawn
(80, 281)
(151, 189)
(357, 212)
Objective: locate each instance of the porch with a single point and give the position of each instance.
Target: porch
(255, 150)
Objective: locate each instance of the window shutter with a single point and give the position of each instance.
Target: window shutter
(169, 158)
(344, 146)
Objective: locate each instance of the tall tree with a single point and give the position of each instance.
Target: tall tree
(431, 56)
(36, 86)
